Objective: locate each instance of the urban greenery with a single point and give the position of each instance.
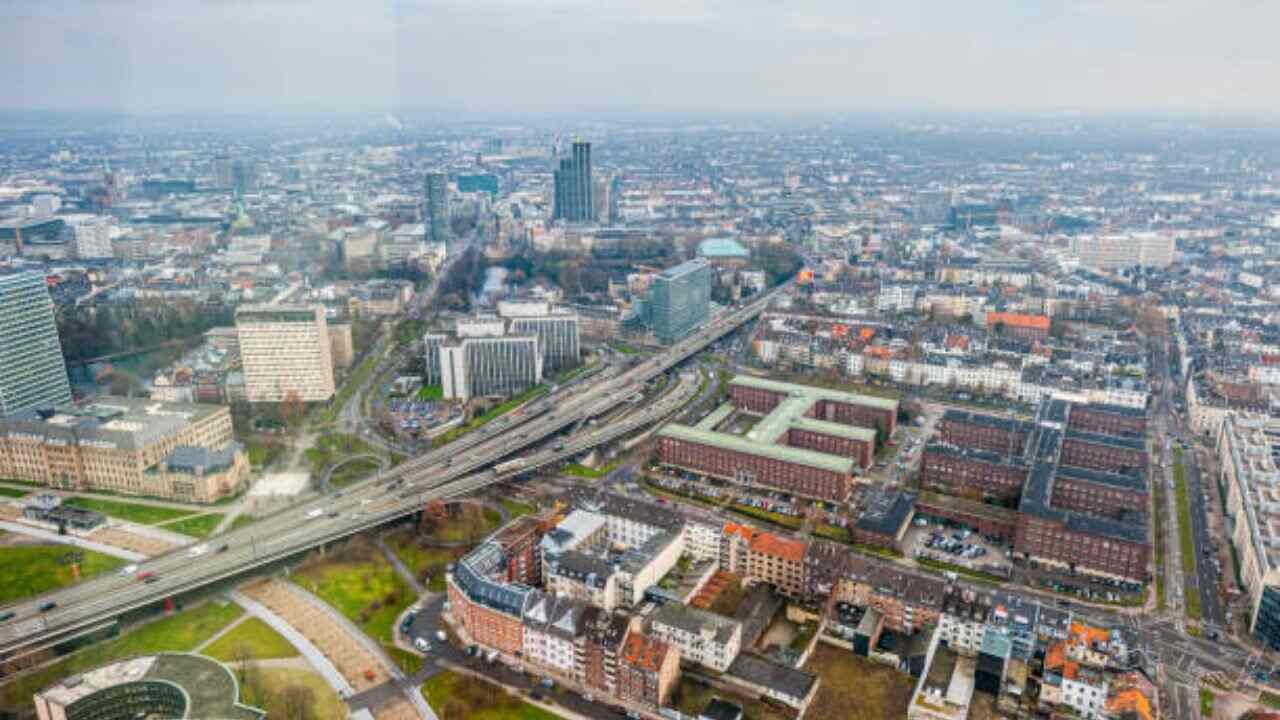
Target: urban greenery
(251, 639)
(1186, 541)
(492, 414)
(180, 632)
(130, 512)
(28, 570)
(199, 526)
(455, 696)
(358, 582)
(787, 521)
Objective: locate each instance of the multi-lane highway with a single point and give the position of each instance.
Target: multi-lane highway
(461, 467)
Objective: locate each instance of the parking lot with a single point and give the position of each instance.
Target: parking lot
(956, 545)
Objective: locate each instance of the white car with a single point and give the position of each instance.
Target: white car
(129, 569)
(313, 514)
(198, 550)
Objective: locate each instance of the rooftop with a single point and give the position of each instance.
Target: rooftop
(799, 456)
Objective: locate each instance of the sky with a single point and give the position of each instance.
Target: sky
(706, 56)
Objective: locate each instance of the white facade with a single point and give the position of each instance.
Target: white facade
(701, 637)
(702, 540)
(1086, 694)
(286, 353)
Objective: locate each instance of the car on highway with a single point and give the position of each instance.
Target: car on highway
(47, 606)
(198, 550)
(313, 514)
(129, 569)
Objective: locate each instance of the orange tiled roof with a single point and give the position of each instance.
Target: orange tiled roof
(746, 532)
(780, 547)
(1017, 320)
(1130, 700)
(644, 652)
(1056, 656)
(1082, 634)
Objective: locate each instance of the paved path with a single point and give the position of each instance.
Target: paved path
(53, 536)
(373, 646)
(151, 531)
(110, 497)
(401, 569)
(214, 637)
(304, 646)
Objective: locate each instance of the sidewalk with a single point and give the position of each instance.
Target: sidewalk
(401, 569)
(73, 540)
(304, 646)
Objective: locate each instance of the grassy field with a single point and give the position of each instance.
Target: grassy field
(1271, 700)
(13, 492)
(487, 417)
(790, 522)
(431, 392)
(1206, 703)
(264, 452)
(939, 566)
(455, 696)
(427, 563)
(27, 570)
(332, 447)
(200, 526)
(1157, 529)
(180, 632)
(353, 472)
(268, 689)
(856, 688)
(253, 639)
(1186, 543)
(356, 379)
(358, 582)
(471, 524)
(130, 512)
(242, 520)
(516, 508)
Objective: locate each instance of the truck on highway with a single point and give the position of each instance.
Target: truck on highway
(509, 465)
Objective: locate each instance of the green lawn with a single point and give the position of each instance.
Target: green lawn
(180, 632)
(426, 563)
(791, 522)
(199, 526)
(241, 521)
(13, 492)
(1206, 703)
(359, 583)
(353, 472)
(27, 570)
(431, 392)
(1186, 543)
(130, 512)
(1271, 700)
(582, 471)
(265, 689)
(940, 566)
(517, 508)
(264, 452)
(487, 417)
(471, 525)
(1157, 529)
(332, 447)
(252, 639)
(409, 663)
(455, 696)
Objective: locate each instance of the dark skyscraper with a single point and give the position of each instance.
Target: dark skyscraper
(574, 192)
(435, 209)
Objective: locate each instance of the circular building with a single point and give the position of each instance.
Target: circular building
(169, 685)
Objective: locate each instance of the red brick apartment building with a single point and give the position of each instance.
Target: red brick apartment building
(1073, 543)
(984, 432)
(971, 473)
(1108, 420)
(648, 671)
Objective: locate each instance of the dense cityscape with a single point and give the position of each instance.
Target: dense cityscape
(384, 418)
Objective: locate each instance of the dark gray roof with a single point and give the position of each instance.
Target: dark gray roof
(1130, 443)
(186, 458)
(765, 673)
(973, 418)
(1134, 481)
(887, 512)
(581, 567)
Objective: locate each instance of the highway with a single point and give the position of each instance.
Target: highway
(461, 467)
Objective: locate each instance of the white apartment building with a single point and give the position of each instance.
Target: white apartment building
(90, 236)
(705, 638)
(1108, 252)
(286, 352)
(551, 626)
(1086, 693)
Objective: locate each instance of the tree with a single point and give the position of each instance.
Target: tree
(293, 410)
(296, 702)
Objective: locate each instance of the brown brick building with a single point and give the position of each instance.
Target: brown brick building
(1108, 419)
(984, 432)
(1074, 542)
(1107, 453)
(802, 472)
(519, 542)
(648, 670)
(971, 473)
(602, 639)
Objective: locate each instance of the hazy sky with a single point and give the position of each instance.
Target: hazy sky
(659, 55)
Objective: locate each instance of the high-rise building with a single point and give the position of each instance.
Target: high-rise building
(286, 352)
(497, 365)
(1110, 252)
(33, 373)
(574, 191)
(680, 300)
(556, 330)
(435, 212)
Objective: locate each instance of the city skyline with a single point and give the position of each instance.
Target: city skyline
(1178, 57)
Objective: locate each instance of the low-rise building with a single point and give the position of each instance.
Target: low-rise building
(701, 637)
